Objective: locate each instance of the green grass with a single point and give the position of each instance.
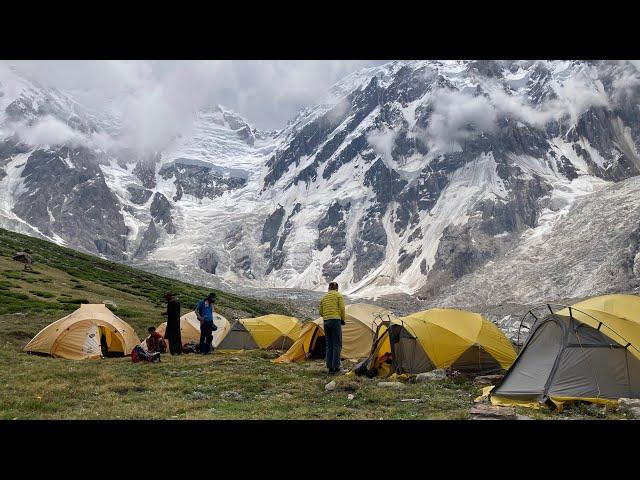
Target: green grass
(40, 293)
(227, 385)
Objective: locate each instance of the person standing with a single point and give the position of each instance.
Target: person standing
(172, 333)
(332, 312)
(205, 311)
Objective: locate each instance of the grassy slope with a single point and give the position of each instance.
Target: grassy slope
(222, 386)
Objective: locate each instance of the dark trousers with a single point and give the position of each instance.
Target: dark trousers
(333, 334)
(206, 336)
(175, 344)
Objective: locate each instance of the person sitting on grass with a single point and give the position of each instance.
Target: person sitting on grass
(155, 342)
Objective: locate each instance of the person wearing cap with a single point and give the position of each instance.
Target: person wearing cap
(205, 311)
(332, 312)
(172, 332)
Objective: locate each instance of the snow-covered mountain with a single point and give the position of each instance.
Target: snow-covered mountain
(442, 179)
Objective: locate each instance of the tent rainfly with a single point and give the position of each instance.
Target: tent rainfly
(271, 332)
(438, 338)
(79, 335)
(587, 352)
(358, 334)
(190, 328)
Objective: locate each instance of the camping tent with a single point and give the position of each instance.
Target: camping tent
(439, 338)
(358, 334)
(589, 352)
(77, 336)
(190, 328)
(268, 332)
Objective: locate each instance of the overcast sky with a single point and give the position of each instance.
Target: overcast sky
(267, 93)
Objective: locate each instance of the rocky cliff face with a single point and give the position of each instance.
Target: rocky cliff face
(416, 177)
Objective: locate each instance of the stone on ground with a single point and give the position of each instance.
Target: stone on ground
(432, 376)
(635, 413)
(232, 395)
(491, 412)
(486, 380)
(330, 386)
(626, 404)
(390, 384)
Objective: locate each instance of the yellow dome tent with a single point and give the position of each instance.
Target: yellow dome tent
(587, 352)
(358, 334)
(190, 328)
(77, 336)
(273, 332)
(439, 338)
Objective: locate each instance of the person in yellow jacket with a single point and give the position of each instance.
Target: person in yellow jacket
(332, 312)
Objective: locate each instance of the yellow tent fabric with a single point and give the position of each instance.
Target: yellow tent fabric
(77, 336)
(303, 344)
(190, 328)
(623, 306)
(446, 334)
(619, 314)
(361, 322)
(270, 331)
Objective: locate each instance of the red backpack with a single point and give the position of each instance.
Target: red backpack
(135, 358)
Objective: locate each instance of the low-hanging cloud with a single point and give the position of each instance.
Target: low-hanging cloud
(457, 116)
(49, 130)
(157, 100)
(383, 142)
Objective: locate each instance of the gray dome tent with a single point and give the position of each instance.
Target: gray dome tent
(577, 354)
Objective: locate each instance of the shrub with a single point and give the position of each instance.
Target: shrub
(73, 300)
(42, 294)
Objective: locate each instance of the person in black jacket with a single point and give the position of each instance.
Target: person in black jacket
(172, 333)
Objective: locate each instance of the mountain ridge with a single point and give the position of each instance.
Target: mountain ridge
(412, 178)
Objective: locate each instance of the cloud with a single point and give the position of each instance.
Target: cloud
(382, 142)
(626, 81)
(158, 99)
(49, 130)
(457, 116)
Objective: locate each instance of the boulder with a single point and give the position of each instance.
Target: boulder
(390, 384)
(626, 404)
(433, 376)
(330, 386)
(486, 380)
(232, 395)
(634, 412)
